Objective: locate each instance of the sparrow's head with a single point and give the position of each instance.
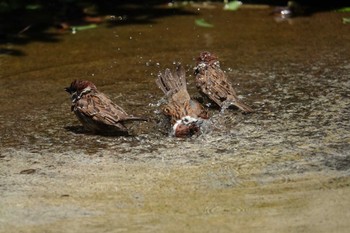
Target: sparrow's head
(80, 87)
(204, 60)
(186, 127)
(207, 58)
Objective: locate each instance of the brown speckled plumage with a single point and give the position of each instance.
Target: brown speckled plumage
(213, 83)
(180, 104)
(96, 111)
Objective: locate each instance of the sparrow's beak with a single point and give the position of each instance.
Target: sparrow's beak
(67, 89)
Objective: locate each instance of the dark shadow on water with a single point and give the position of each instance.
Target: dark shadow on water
(13, 52)
(80, 130)
(76, 129)
(22, 22)
(38, 24)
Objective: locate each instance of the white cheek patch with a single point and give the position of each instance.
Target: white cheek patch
(178, 122)
(74, 97)
(187, 120)
(201, 65)
(86, 90)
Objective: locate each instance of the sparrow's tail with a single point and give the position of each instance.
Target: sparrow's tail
(135, 118)
(245, 108)
(172, 82)
(238, 103)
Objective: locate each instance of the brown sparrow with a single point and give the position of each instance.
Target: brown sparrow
(186, 115)
(212, 82)
(96, 111)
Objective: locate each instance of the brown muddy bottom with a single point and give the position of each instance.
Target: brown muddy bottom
(284, 168)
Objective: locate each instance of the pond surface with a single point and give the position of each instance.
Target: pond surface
(284, 168)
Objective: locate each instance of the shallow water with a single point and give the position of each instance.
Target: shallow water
(284, 168)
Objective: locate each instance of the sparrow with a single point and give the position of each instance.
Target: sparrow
(186, 115)
(212, 82)
(96, 111)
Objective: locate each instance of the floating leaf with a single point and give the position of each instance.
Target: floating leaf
(344, 9)
(33, 7)
(81, 28)
(346, 20)
(175, 4)
(203, 23)
(232, 6)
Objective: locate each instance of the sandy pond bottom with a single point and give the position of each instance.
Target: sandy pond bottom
(121, 197)
(284, 168)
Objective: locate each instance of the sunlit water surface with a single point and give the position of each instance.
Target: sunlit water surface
(284, 168)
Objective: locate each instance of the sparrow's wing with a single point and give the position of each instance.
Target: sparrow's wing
(192, 108)
(174, 111)
(214, 84)
(195, 109)
(101, 109)
(172, 82)
(225, 92)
